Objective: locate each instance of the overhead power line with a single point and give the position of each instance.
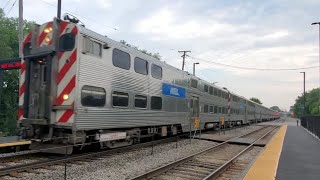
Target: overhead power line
(11, 7)
(79, 15)
(252, 68)
(5, 4)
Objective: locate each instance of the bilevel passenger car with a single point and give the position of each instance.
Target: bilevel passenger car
(77, 86)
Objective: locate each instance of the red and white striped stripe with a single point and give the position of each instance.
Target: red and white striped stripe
(43, 35)
(66, 79)
(22, 79)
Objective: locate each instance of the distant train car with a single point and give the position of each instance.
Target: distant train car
(77, 86)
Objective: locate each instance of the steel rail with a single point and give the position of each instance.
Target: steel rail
(167, 167)
(43, 163)
(226, 165)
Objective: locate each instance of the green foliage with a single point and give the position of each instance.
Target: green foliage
(275, 108)
(312, 104)
(256, 100)
(9, 48)
(155, 55)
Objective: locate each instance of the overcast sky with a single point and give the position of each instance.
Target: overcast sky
(258, 34)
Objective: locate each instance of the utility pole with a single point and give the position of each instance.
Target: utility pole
(318, 23)
(59, 9)
(304, 93)
(183, 57)
(20, 28)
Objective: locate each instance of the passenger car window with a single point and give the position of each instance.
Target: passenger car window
(210, 90)
(140, 66)
(93, 96)
(121, 59)
(194, 83)
(156, 103)
(91, 47)
(206, 88)
(156, 71)
(140, 101)
(120, 99)
(206, 109)
(215, 109)
(211, 109)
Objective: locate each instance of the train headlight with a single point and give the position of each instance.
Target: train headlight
(65, 97)
(47, 30)
(47, 39)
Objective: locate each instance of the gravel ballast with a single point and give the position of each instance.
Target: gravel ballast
(123, 165)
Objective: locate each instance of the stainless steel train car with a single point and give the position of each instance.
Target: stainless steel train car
(77, 86)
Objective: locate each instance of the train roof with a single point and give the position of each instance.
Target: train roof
(105, 39)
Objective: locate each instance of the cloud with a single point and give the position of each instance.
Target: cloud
(166, 24)
(261, 34)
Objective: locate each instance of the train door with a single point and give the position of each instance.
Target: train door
(245, 114)
(37, 98)
(194, 110)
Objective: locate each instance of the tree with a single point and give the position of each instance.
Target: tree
(155, 55)
(9, 48)
(275, 108)
(312, 104)
(256, 100)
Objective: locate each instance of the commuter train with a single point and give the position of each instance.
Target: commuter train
(78, 87)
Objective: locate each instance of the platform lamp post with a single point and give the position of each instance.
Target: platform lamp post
(304, 93)
(194, 68)
(318, 23)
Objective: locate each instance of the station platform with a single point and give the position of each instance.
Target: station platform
(292, 154)
(12, 141)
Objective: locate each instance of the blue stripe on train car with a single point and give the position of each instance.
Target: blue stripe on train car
(172, 90)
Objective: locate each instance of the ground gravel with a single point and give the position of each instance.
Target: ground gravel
(123, 165)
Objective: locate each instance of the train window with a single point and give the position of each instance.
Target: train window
(210, 90)
(120, 99)
(206, 108)
(141, 66)
(223, 110)
(215, 109)
(91, 47)
(211, 109)
(206, 88)
(194, 83)
(156, 71)
(121, 59)
(215, 92)
(67, 42)
(219, 110)
(219, 93)
(140, 101)
(156, 103)
(93, 96)
(27, 49)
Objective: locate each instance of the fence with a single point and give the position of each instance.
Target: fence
(312, 123)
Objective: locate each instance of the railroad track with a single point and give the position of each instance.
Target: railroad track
(33, 165)
(209, 163)
(35, 162)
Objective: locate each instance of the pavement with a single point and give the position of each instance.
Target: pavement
(8, 139)
(300, 157)
(292, 154)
